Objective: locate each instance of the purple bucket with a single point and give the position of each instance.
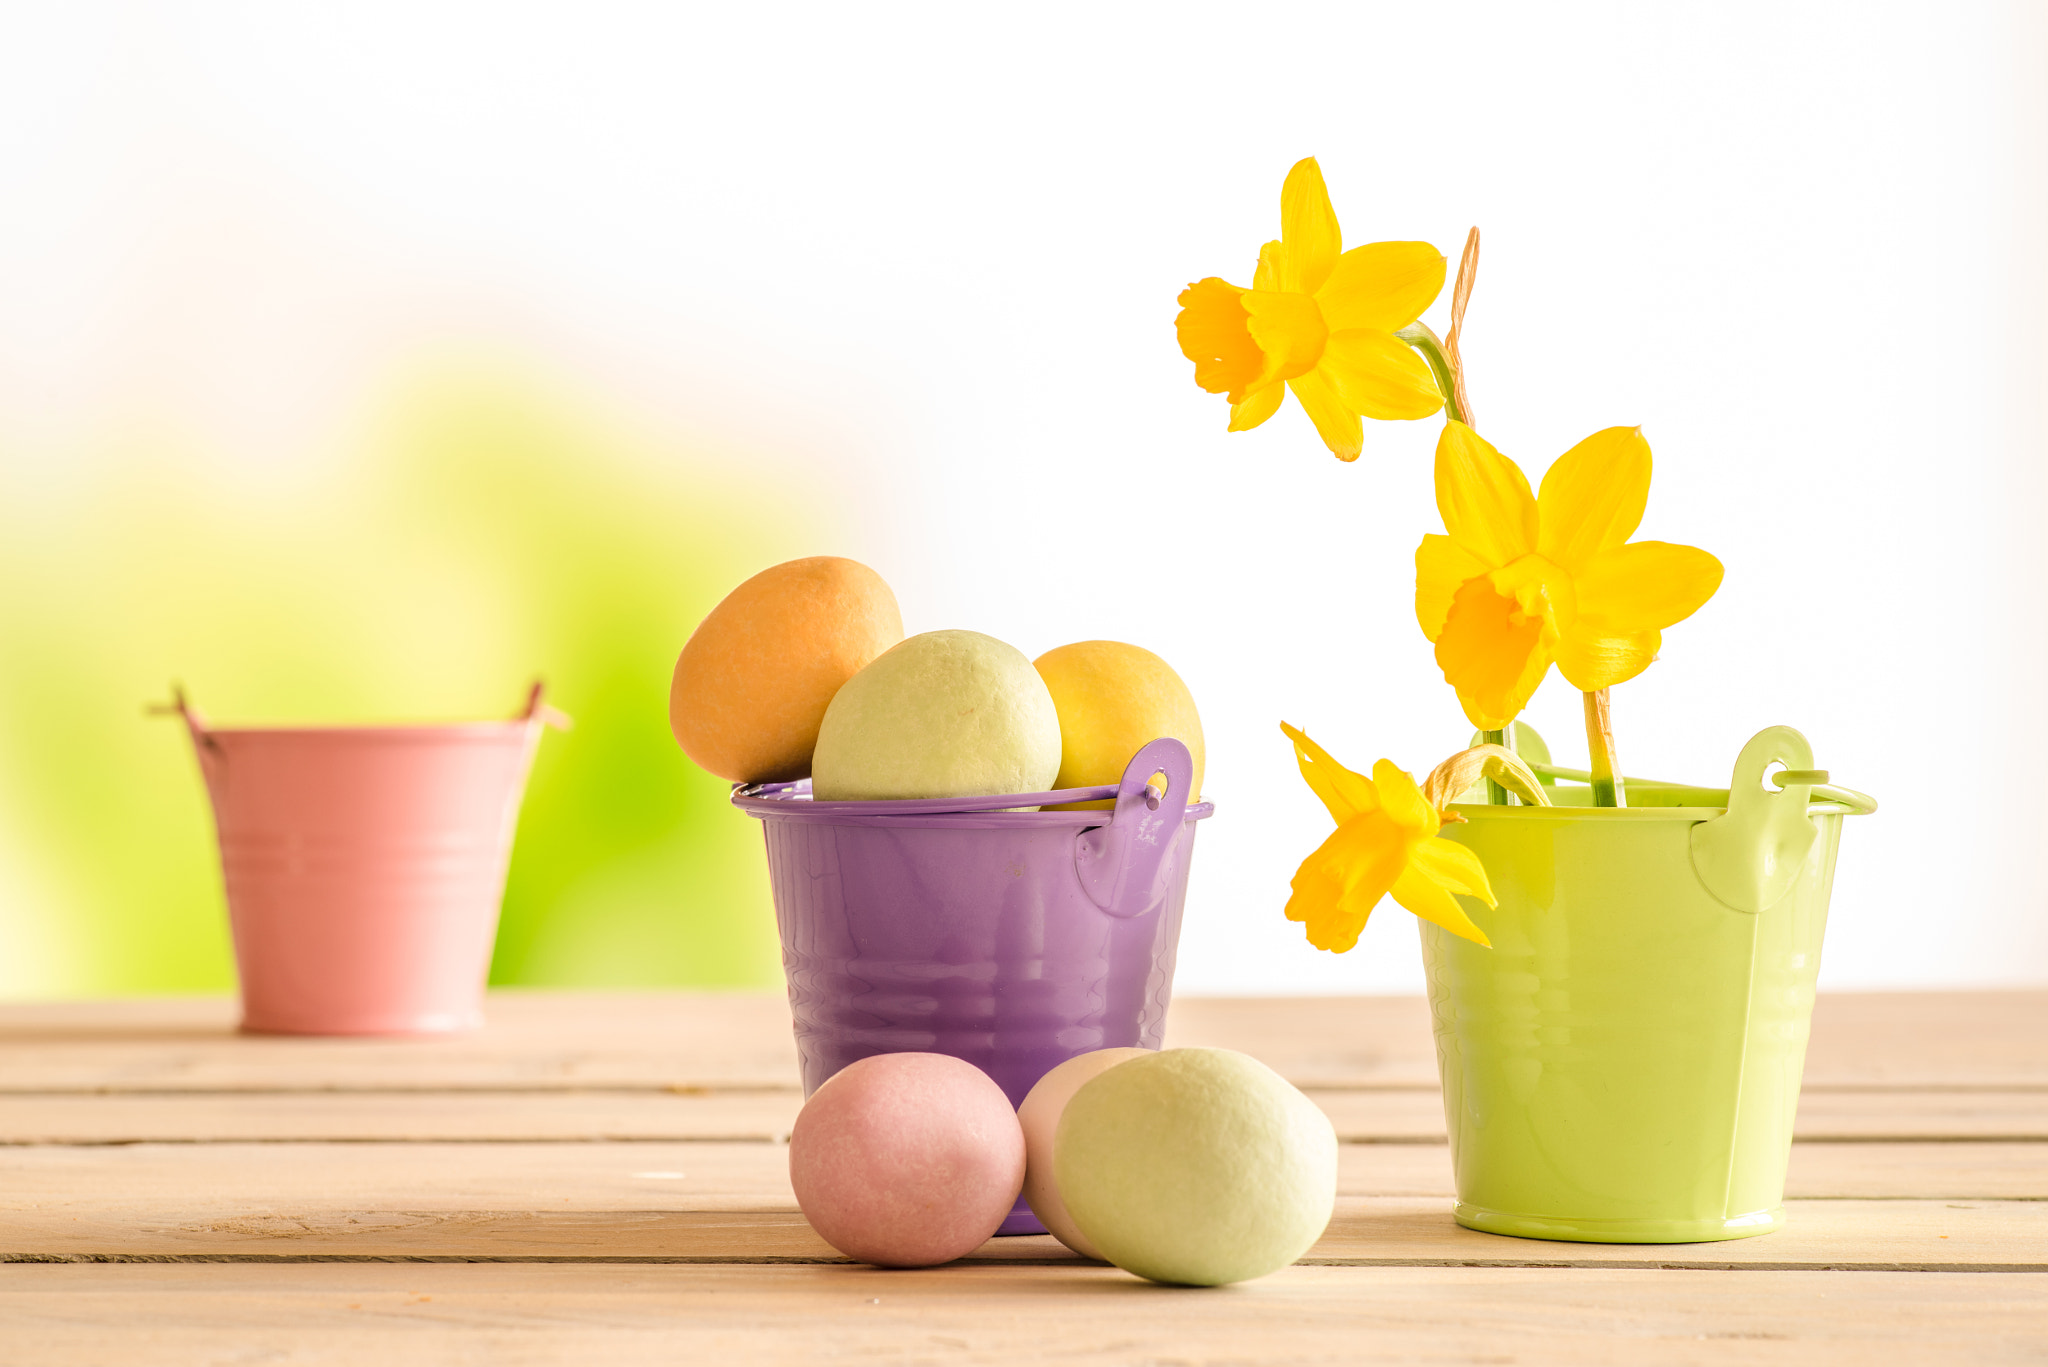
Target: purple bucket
(1012, 939)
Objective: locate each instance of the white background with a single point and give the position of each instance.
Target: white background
(922, 261)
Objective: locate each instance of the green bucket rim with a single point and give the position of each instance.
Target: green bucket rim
(1667, 803)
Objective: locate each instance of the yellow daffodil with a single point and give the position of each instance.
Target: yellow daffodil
(1386, 841)
(1522, 582)
(1318, 320)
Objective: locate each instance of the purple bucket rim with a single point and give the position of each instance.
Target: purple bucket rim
(793, 801)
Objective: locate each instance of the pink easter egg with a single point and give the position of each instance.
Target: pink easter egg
(907, 1160)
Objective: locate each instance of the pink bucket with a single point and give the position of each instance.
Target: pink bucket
(365, 866)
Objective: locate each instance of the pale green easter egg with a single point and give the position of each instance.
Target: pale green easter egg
(1040, 1117)
(943, 714)
(1196, 1166)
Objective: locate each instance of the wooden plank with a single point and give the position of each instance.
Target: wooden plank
(1843, 1115)
(1366, 1231)
(396, 1117)
(1846, 1114)
(155, 1182)
(1860, 1039)
(143, 1180)
(172, 1316)
(542, 1040)
(1929, 1039)
(1362, 1116)
(1316, 1041)
(1950, 1171)
(533, 1041)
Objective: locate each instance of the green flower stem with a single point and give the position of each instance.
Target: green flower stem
(1496, 795)
(1418, 335)
(1608, 790)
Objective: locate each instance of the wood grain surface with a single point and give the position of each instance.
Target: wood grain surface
(626, 1316)
(603, 1179)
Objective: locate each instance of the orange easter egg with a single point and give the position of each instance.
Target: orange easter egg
(752, 684)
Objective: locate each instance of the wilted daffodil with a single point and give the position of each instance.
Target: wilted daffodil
(1386, 841)
(1318, 320)
(1524, 581)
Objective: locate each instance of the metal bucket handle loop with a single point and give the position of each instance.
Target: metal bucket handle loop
(1121, 864)
(538, 710)
(1749, 856)
(213, 759)
(211, 756)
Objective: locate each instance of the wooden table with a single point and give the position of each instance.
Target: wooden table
(601, 1180)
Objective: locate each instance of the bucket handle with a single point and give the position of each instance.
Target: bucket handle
(537, 709)
(204, 745)
(1750, 855)
(1121, 864)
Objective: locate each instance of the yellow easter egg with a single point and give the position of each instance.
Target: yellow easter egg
(1112, 698)
(751, 687)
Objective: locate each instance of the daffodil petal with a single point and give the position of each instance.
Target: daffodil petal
(1379, 376)
(1402, 800)
(1645, 586)
(1484, 497)
(1267, 277)
(1493, 654)
(1359, 862)
(1215, 333)
(1289, 329)
(1384, 286)
(1345, 792)
(1453, 867)
(1317, 889)
(1593, 496)
(1591, 660)
(1338, 426)
(1441, 568)
(1465, 769)
(1256, 408)
(1308, 227)
(1372, 854)
(1418, 892)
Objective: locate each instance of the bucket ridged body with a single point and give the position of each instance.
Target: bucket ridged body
(1623, 1065)
(979, 943)
(364, 870)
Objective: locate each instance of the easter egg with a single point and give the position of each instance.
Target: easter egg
(751, 686)
(944, 714)
(1040, 1117)
(907, 1160)
(1112, 699)
(1196, 1166)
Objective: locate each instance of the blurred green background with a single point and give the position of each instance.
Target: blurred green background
(479, 529)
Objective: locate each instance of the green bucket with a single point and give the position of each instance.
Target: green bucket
(1623, 1065)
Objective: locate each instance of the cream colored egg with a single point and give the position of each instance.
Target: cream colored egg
(1040, 1117)
(944, 714)
(1196, 1166)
